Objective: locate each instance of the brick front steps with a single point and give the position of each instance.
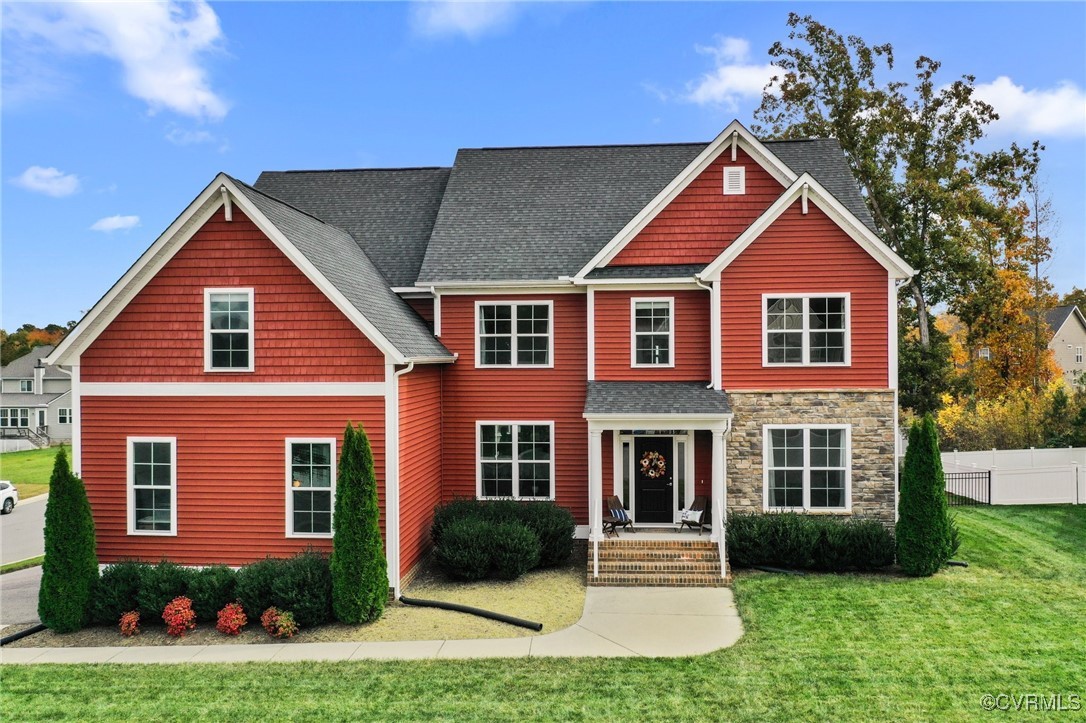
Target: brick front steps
(630, 562)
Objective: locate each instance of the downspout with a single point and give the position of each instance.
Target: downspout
(712, 315)
(392, 467)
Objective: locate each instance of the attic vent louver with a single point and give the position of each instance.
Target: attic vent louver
(734, 181)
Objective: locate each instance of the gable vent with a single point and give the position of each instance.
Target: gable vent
(734, 181)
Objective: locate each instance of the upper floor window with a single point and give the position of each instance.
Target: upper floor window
(1078, 355)
(514, 334)
(806, 330)
(807, 467)
(311, 474)
(516, 460)
(984, 353)
(152, 485)
(653, 333)
(228, 330)
(26, 385)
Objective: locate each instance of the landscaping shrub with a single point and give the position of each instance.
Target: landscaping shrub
(210, 589)
(231, 619)
(465, 550)
(448, 512)
(179, 617)
(160, 584)
(872, 545)
(304, 585)
(924, 537)
(117, 591)
(553, 526)
(130, 623)
(279, 623)
(70, 570)
(253, 583)
(831, 551)
(359, 572)
(798, 541)
(791, 540)
(515, 550)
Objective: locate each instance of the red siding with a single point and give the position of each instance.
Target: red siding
(703, 463)
(701, 221)
(159, 336)
(803, 254)
(613, 321)
(424, 308)
(517, 395)
(420, 460)
(231, 470)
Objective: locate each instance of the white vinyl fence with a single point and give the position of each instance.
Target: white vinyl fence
(1021, 476)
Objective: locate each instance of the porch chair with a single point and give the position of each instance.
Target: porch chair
(615, 517)
(700, 504)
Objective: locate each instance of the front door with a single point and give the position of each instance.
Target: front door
(654, 470)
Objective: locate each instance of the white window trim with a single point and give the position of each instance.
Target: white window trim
(1078, 355)
(634, 301)
(64, 415)
(767, 452)
(806, 362)
(26, 386)
(18, 416)
(742, 180)
(287, 474)
(131, 505)
(207, 331)
(516, 468)
(513, 354)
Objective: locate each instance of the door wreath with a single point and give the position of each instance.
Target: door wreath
(653, 465)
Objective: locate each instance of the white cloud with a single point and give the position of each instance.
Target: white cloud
(1056, 111)
(115, 223)
(182, 137)
(436, 18)
(49, 181)
(161, 46)
(733, 79)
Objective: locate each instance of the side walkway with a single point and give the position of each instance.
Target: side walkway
(617, 622)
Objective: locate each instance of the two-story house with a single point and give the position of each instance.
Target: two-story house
(1067, 329)
(35, 400)
(650, 321)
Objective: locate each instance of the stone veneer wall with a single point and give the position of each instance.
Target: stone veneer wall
(871, 414)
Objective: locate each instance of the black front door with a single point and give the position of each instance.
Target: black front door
(653, 479)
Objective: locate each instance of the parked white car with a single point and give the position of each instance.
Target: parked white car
(9, 497)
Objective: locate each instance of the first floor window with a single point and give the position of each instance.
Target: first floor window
(14, 417)
(807, 467)
(806, 330)
(64, 415)
(516, 460)
(310, 486)
(229, 329)
(152, 475)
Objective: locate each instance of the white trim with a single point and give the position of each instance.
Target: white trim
(735, 131)
(1055, 332)
(77, 421)
(392, 474)
(891, 333)
(591, 335)
(837, 213)
(742, 188)
(486, 288)
(767, 452)
(670, 301)
(131, 489)
(612, 422)
(437, 314)
(251, 331)
(677, 283)
(805, 330)
(233, 389)
(513, 305)
(716, 344)
(289, 522)
(479, 424)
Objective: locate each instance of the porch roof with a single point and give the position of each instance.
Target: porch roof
(655, 398)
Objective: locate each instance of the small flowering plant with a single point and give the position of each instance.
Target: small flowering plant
(232, 619)
(179, 617)
(279, 623)
(130, 623)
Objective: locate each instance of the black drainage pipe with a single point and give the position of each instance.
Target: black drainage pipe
(957, 563)
(22, 634)
(472, 611)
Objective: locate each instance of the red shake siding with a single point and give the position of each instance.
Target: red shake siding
(613, 328)
(231, 470)
(803, 254)
(424, 308)
(701, 221)
(523, 394)
(159, 336)
(420, 460)
(607, 458)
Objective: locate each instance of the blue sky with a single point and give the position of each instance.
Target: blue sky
(116, 116)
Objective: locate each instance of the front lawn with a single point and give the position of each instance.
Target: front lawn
(819, 647)
(29, 471)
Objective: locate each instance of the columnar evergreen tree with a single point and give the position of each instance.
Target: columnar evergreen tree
(359, 571)
(70, 570)
(923, 527)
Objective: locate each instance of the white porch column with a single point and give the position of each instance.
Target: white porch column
(719, 485)
(595, 495)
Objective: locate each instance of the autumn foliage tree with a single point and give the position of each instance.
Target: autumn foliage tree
(21, 341)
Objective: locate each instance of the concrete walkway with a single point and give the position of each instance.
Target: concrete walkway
(617, 622)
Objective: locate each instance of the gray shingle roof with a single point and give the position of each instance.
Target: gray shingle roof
(665, 271)
(541, 213)
(19, 399)
(1055, 318)
(23, 367)
(335, 254)
(635, 398)
(389, 212)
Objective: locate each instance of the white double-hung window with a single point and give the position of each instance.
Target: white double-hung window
(516, 460)
(152, 485)
(805, 330)
(514, 334)
(311, 487)
(807, 467)
(653, 332)
(228, 330)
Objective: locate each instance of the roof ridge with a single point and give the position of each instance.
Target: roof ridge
(584, 145)
(363, 170)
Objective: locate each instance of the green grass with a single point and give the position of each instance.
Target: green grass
(819, 647)
(30, 470)
(22, 564)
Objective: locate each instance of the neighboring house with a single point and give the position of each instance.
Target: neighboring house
(567, 323)
(1068, 328)
(36, 399)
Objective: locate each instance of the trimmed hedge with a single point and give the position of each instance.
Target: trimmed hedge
(117, 591)
(160, 584)
(254, 585)
(516, 550)
(807, 542)
(210, 590)
(465, 549)
(303, 585)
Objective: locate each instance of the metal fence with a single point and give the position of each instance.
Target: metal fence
(969, 488)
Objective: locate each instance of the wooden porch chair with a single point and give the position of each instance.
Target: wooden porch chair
(700, 504)
(615, 517)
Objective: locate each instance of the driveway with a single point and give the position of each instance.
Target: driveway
(19, 596)
(22, 533)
